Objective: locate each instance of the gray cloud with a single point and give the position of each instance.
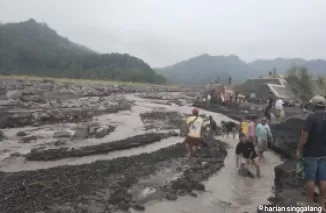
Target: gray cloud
(164, 32)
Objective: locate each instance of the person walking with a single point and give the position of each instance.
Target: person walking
(213, 126)
(244, 124)
(279, 111)
(251, 136)
(195, 126)
(245, 152)
(208, 100)
(312, 145)
(269, 106)
(263, 133)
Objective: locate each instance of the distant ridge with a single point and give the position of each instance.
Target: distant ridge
(32, 48)
(205, 68)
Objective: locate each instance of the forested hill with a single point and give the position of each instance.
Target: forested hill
(206, 68)
(32, 48)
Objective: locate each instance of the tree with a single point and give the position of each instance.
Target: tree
(300, 82)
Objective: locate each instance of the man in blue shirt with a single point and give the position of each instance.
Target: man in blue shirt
(262, 132)
(312, 144)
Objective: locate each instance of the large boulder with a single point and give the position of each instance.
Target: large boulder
(33, 98)
(286, 136)
(14, 94)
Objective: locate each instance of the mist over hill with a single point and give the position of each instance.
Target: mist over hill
(205, 68)
(32, 48)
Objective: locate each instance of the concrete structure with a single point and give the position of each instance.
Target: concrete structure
(262, 86)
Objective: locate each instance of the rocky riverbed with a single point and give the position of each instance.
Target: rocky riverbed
(109, 148)
(82, 148)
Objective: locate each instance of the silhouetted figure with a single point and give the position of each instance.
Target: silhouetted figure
(230, 80)
(274, 71)
(270, 73)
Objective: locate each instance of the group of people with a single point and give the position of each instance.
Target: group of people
(278, 112)
(254, 137)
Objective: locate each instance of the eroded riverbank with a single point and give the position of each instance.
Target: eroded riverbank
(86, 170)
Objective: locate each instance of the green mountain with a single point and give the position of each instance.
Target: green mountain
(204, 69)
(32, 48)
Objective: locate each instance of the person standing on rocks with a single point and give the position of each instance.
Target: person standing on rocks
(312, 145)
(208, 100)
(269, 106)
(195, 126)
(279, 111)
(245, 152)
(263, 133)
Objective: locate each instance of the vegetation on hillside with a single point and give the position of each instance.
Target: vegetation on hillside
(31, 48)
(304, 84)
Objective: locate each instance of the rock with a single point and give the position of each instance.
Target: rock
(15, 94)
(16, 154)
(170, 196)
(2, 135)
(60, 142)
(193, 194)
(194, 177)
(28, 139)
(138, 208)
(48, 81)
(81, 133)
(199, 187)
(33, 98)
(100, 132)
(62, 135)
(205, 164)
(215, 167)
(21, 134)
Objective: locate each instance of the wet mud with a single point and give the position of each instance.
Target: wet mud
(162, 120)
(124, 161)
(128, 143)
(289, 189)
(83, 188)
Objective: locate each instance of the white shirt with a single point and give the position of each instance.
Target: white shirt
(279, 104)
(195, 126)
(208, 97)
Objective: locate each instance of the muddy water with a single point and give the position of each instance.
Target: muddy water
(226, 191)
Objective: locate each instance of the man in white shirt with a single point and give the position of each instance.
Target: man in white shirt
(279, 111)
(195, 125)
(208, 100)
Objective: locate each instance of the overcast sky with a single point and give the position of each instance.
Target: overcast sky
(163, 32)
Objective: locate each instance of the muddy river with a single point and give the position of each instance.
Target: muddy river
(225, 191)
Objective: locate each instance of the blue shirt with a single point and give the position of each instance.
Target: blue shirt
(263, 131)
